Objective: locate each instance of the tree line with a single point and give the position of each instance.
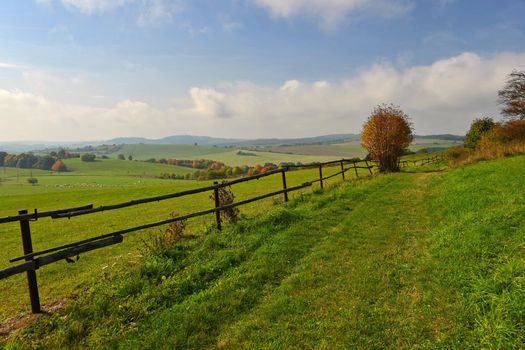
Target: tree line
(32, 161)
(212, 170)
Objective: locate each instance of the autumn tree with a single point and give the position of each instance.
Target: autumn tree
(512, 96)
(386, 135)
(59, 166)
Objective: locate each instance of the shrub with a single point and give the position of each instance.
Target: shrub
(88, 157)
(386, 135)
(121, 157)
(32, 180)
(503, 139)
(478, 127)
(226, 197)
(456, 154)
(164, 243)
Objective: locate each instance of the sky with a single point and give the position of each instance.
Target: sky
(73, 70)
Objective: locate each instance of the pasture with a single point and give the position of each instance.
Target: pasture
(349, 149)
(105, 181)
(428, 259)
(227, 156)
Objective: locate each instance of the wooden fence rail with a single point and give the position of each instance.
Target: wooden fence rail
(36, 259)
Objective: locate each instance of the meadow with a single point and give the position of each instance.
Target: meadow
(105, 181)
(227, 156)
(349, 149)
(428, 259)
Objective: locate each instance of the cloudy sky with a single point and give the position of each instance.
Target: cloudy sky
(96, 69)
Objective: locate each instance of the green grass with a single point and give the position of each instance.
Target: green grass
(410, 260)
(112, 167)
(108, 183)
(142, 151)
(351, 149)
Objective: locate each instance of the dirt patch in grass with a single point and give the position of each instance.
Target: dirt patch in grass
(13, 325)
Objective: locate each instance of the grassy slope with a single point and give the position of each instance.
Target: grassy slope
(55, 192)
(425, 260)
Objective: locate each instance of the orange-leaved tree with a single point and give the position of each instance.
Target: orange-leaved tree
(386, 135)
(59, 166)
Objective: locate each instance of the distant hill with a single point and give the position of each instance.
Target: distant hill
(201, 141)
(448, 137)
(174, 140)
(214, 141)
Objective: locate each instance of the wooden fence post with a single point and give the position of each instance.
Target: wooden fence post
(343, 170)
(284, 186)
(368, 166)
(31, 274)
(217, 205)
(321, 175)
(355, 168)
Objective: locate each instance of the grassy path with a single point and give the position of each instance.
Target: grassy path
(364, 285)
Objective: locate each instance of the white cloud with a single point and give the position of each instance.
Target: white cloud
(5, 65)
(149, 11)
(160, 11)
(94, 6)
(330, 13)
(229, 25)
(441, 97)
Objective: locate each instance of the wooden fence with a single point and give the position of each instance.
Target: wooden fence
(33, 260)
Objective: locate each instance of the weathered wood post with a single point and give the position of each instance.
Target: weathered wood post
(217, 205)
(284, 185)
(31, 274)
(321, 175)
(368, 166)
(343, 170)
(355, 169)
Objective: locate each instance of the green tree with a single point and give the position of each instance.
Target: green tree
(44, 162)
(121, 157)
(2, 157)
(478, 127)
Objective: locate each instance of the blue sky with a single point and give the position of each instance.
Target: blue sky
(96, 69)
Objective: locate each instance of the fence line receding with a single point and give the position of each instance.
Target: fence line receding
(33, 260)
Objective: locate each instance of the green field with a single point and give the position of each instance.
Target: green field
(102, 182)
(429, 259)
(264, 154)
(228, 156)
(350, 149)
